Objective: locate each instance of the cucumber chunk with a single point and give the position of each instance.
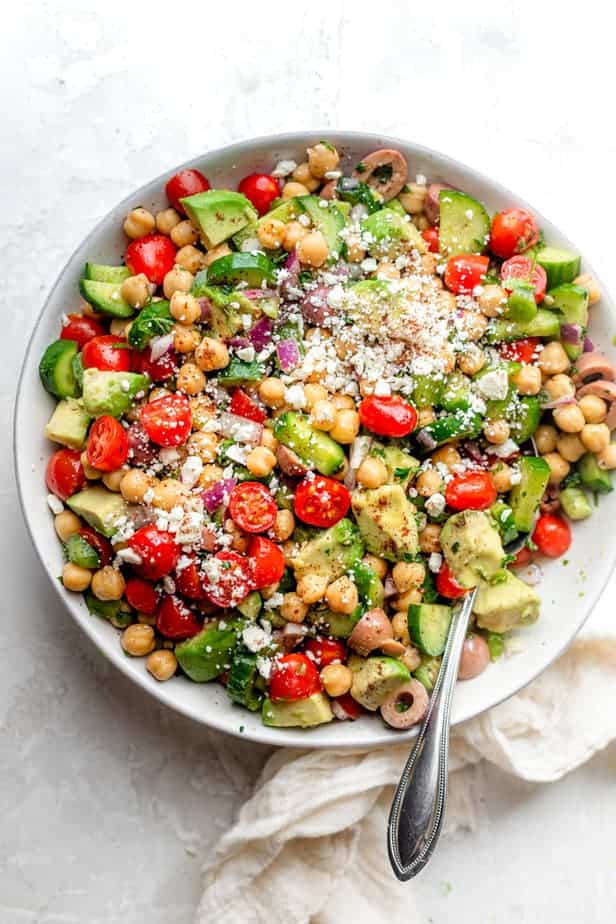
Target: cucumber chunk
(456, 395)
(559, 265)
(575, 504)
(464, 224)
(243, 680)
(521, 304)
(525, 496)
(544, 324)
(251, 268)
(571, 302)
(99, 272)
(427, 391)
(56, 369)
(250, 607)
(314, 447)
(106, 297)
(593, 477)
(429, 627)
(459, 425)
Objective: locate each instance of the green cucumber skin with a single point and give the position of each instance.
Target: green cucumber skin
(100, 272)
(457, 232)
(314, 447)
(106, 298)
(575, 504)
(454, 426)
(251, 268)
(593, 477)
(56, 369)
(544, 324)
(429, 627)
(525, 496)
(561, 266)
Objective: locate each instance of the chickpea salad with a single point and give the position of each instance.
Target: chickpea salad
(306, 415)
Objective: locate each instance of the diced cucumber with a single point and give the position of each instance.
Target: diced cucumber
(544, 324)
(386, 228)
(521, 413)
(572, 303)
(77, 366)
(521, 304)
(456, 395)
(593, 477)
(427, 390)
(106, 297)
(575, 504)
(525, 496)
(80, 552)
(427, 672)
(464, 224)
(243, 679)
(154, 321)
(251, 268)
(329, 221)
(56, 369)
(496, 644)
(239, 372)
(99, 272)
(560, 265)
(459, 425)
(250, 607)
(314, 447)
(429, 627)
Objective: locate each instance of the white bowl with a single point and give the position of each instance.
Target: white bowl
(570, 587)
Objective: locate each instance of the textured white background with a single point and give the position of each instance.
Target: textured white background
(108, 803)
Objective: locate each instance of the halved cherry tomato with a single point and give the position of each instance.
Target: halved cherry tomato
(157, 550)
(513, 231)
(244, 406)
(464, 272)
(159, 370)
(99, 543)
(522, 267)
(552, 535)
(325, 651)
(349, 706)
(471, 491)
(522, 557)
(107, 446)
(175, 620)
(430, 236)
(81, 329)
(261, 189)
(187, 182)
(229, 579)
(189, 582)
(446, 584)
(520, 351)
(293, 677)
(153, 255)
(267, 561)
(107, 353)
(252, 507)
(388, 415)
(167, 421)
(141, 595)
(64, 475)
(321, 501)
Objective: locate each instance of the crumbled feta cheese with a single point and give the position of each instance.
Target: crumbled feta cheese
(190, 471)
(435, 562)
(304, 220)
(494, 385)
(184, 561)
(247, 353)
(382, 389)
(169, 584)
(264, 666)
(435, 505)
(129, 556)
(508, 448)
(255, 637)
(469, 214)
(246, 320)
(295, 397)
(335, 298)
(284, 168)
(369, 265)
(333, 174)
(516, 476)
(237, 454)
(275, 600)
(148, 497)
(168, 455)
(420, 179)
(125, 385)
(323, 204)
(55, 504)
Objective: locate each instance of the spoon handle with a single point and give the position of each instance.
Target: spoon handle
(417, 811)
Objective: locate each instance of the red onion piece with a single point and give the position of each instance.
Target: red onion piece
(557, 402)
(291, 277)
(240, 429)
(213, 497)
(571, 334)
(315, 307)
(292, 635)
(140, 450)
(260, 334)
(426, 441)
(389, 588)
(288, 354)
(206, 308)
(238, 342)
(160, 345)
(255, 294)
(588, 345)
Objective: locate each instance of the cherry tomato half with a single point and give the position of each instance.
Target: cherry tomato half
(107, 353)
(325, 651)
(464, 272)
(321, 501)
(159, 370)
(157, 550)
(267, 561)
(261, 189)
(293, 677)
(229, 579)
(552, 535)
(107, 447)
(99, 543)
(167, 421)
(175, 620)
(522, 557)
(153, 255)
(189, 582)
(252, 507)
(348, 708)
(244, 406)
(141, 595)
(185, 183)
(81, 329)
(470, 491)
(64, 475)
(522, 267)
(520, 351)
(430, 236)
(388, 415)
(446, 584)
(513, 231)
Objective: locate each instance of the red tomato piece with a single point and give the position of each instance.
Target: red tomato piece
(175, 620)
(471, 491)
(552, 535)
(446, 584)
(107, 353)
(522, 557)
(244, 406)
(261, 189)
(185, 183)
(189, 582)
(81, 329)
(430, 236)
(349, 706)
(64, 475)
(141, 595)
(464, 272)
(229, 579)
(99, 543)
(267, 561)
(107, 447)
(159, 370)
(388, 415)
(522, 267)
(153, 255)
(167, 421)
(293, 677)
(321, 501)
(520, 351)
(157, 550)
(325, 651)
(252, 507)
(513, 231)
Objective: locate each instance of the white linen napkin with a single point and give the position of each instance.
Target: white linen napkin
(309, 845)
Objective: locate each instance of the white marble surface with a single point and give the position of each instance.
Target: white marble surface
(109, 803)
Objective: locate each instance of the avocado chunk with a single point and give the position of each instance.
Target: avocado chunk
(218, 213)
(375, 678)
(68, 424)
(207, 654)
(472, 546)
(100, 508)
(329, 220)
(386, 520)
(401, 465)
(111, 392)
(575, 503)
(305, 713)
(387, 230)
(506, 605)
(330, 554)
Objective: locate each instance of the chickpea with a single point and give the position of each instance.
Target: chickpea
(429, 538)
(184, 233)
(291, 189)
(472, 360)
(559, 467)
(570, 446)
(355, 249)
(336, 679)
(400, 625)
(496, 431)
(91, 473)
(134, 485)
(475, 324)
(311, 588)
(166, 220)
(190, 379)
(284, 525)
(170, 493)
(177, 279)
(66, 524)
(190, 259)
(113, 480)
(589, 283)
(202, 409)
(413, 198)
(606, 459)
(346, 426)
(158, 392)
(411, 658)
(412, 595)
(162, 664)
(185, 339)
(428, 482)
(322, 158)
(294, 232)
(239, 539)
(269, 590)
(596, 437)
(378, 565)
(425, 416)
(138, 640)
(138, 223)
(553, 359)
(314, 393)
(136, 290)
(341, 596)
(210, 474)
(215, 253)
(185, 308)
(429, 262)
(271, 392)
(372, 473)
(569, 418)
(559, 386)
(312, 249)
(120, 327)
(293, 608)
(108, 583)
(204, 445)
(343, 402)
(260, 461)
(211, 355)
(528, 380)
(408, 574)
(90, 312)
(593, 408)
(492, 300)
(545, 438)
(448, 456)
(269, 440)
(501, 476)
(302, 175)
(75, 578)
(271, 233)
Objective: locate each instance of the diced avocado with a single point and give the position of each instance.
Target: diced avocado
(100, 272)
(328, 220)
(464, 224)
(427, 672)
(305, 713)
(100, 508)
(456, 394)
(560, 265)
(254, 269)
(429, 627)
(153, 321)
(396, 206)
(459, 425)
(575, 504)
(331, 553)
(544, 324)
(250, 607)
(472, 546)
(106, 297)
(386, 520)
(56, 369)
(521, 304)
(286, 211)
(314, 447)
(226, 308)
(401, 465)
(207, 654)
(374, 679)
(593, 477)
(386, 230)
(218, 213)
(338, 625)
(244, 681)
(506, 605)
(68, 424)
(526, 495)
(111, 392)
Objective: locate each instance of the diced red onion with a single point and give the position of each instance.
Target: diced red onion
(255, 294)
(213, 497)
(358, 212)
(557, 402)
(571, 334)
(206, 308)
(426, 441)
(288, 354)
(315, 307)
(292, 267)
(588, 345)
(240, 429)
(140, 450)
(473, 451)
(531, 574)
(250, 245)
(291, 264)
(238, 342)
(260, 334)
(160, 345)
(339, 711)
(292, 634)
(389, 588)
